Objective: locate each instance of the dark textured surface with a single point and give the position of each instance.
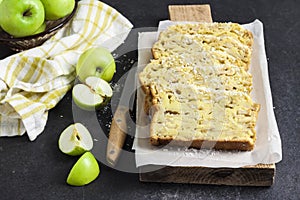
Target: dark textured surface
(38, 170)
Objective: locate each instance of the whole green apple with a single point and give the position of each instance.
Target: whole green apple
(56, 9)
(21, 18)
(96, 61)
(85, 170)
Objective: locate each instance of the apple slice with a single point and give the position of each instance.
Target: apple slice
(84, 171)
(100, 86)
(75, 140)
(92, 94)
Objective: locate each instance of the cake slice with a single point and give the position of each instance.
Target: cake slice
(198, 87)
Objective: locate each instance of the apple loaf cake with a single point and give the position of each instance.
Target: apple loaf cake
(198, 87)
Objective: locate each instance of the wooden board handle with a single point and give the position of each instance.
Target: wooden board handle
(196, 13)
(117, 135)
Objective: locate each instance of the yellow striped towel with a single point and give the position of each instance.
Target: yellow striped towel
(34, 81)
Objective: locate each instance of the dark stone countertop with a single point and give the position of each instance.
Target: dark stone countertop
(38, 170)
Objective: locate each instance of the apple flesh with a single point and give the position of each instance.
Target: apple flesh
(100, 86)
(56, 9)
(75, 140)
(96, 61)
(85, 98)
(21, 18)
(92, 94)
(84, 171)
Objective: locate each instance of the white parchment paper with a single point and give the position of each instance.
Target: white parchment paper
(267, 148)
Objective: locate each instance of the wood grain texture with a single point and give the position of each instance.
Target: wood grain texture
(117, 135)
(198, 13)
(259, 175)
(256, 175)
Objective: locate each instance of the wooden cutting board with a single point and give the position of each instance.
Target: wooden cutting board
(258, 175)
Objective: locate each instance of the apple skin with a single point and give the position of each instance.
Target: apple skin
(42, 28)
(56, 9)
(84, 171)
(21, 18)
(96, 61)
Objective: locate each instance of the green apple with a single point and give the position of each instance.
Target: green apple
(75, 140)
(21, 18)
(42, 28)
(56, 9)
(96, 61)
(84, 171)
(92, 94)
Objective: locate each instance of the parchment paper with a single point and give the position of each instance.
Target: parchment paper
(267, 148)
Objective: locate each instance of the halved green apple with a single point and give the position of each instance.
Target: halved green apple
(84, 171)
(75, 140)
(91, 94)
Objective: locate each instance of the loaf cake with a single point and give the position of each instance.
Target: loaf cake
(198, 87)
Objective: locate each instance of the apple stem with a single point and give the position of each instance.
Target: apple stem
(27, 13)
(98, 71)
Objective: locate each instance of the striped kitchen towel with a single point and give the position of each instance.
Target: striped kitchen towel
(34, 81)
